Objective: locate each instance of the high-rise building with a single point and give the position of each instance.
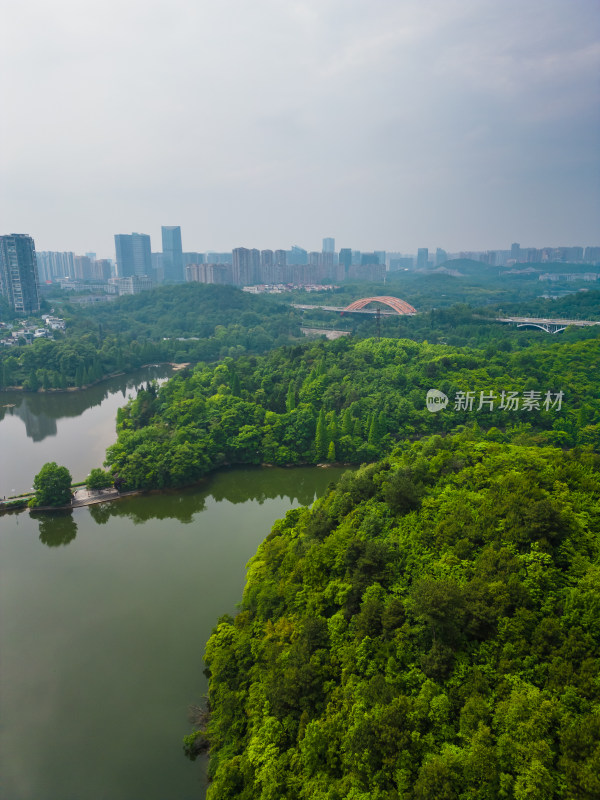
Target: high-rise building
(134, 256)
(53, 265)
(18, 273)
(515, 251)
(192, 257)
(266, 258)
(592, 255)
(83, 268)
(157, 268)
(101, 270)
(346, 257)
(124, 251)
(327, 260)
(218, 258)
(297, 255)
(246, 266)
(329, 245)
(267, 266)
(441, 256)
(172, 254)
(381, 256)
(368, 258)
(209, 273)
(422, 257)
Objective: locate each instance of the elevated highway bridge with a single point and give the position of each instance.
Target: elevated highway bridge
(394, 306)
(548, 325)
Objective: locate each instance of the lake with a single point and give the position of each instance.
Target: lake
(105, 611)
(72, 428)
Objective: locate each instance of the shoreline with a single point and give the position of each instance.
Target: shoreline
(81, 497)
(176, 366)
(87, 497)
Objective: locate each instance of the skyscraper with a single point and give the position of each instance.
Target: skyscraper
(422, 257)
(18, 273)
(345, 261)
(441, 256)
(368, 258)
(297, 255)
(134, 256)
(172, 254)
(246, 266)
(329, 245)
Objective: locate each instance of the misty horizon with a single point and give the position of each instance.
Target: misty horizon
(390, 124)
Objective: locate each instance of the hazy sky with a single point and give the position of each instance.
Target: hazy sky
(388, 124)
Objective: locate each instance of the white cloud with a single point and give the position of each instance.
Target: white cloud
(273, 119)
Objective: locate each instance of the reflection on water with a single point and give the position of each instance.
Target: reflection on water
(57, 528)
(298, 484)
(102, 640)
(38, 424)
(41, 410)
(72, 428)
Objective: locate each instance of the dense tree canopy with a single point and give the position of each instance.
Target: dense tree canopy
(429, 629)
(196, 322)
(52, 485)
(291, 405)
(98, 479)
(192, 322)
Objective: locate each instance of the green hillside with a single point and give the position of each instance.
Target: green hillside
(352, 401)
(429, 629)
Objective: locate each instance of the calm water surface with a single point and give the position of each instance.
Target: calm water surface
(72, 428)
(104, 614)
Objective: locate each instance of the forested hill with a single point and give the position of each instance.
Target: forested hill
(429, 629)
(577, 305)
(192, 322)
(190, 309)
(352, 401)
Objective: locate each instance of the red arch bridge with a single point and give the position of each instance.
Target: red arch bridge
(398, 306)
(395, 305)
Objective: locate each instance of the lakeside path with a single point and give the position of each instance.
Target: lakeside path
(81, 497)
(88, 497)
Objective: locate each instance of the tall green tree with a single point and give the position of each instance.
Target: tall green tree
(321, 441)
(52, 486)
(331, 451)
(347, 423)
(290, 400)
(99, 479)
(332, 428)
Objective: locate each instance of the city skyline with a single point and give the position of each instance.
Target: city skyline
(395, 124)
(243, 266)
(171, 237)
